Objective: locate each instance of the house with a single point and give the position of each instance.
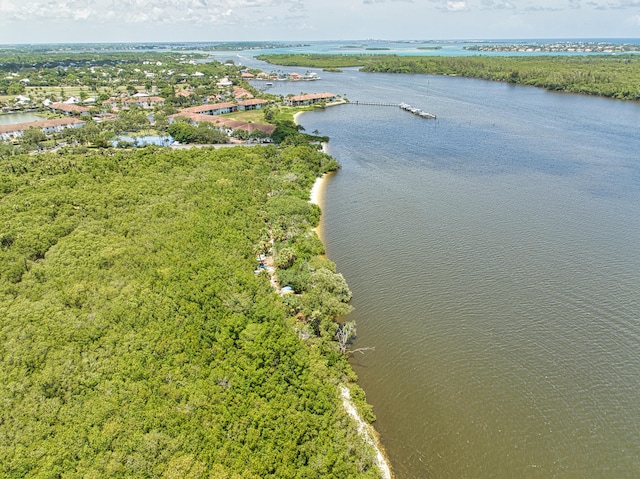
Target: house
(224, 82)
(224, 123)
(8, 132)
(247, 76)
(251, 104)
(68, 109)
(21, 100)
(225, 107)
(143, 101)
(212, 110)
(241, 93)
(309, 99)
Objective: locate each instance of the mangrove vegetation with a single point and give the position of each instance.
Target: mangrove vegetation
(141, 338)
(601, 75)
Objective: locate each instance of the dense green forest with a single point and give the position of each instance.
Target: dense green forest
(315, 60)
(139, 339)
(17, 59)
(610, 76)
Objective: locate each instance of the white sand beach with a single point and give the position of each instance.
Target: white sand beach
(317, 191)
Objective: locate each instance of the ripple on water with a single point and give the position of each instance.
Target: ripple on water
(501, 294)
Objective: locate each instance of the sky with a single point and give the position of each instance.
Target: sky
(104, 21)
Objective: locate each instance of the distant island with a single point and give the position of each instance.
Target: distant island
(149, 46)
(613, 76)
(557, 47)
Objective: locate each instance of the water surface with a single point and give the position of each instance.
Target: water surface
(494, 257)
(15, 118)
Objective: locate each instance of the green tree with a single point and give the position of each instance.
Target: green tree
(33, 136)
(16, 89)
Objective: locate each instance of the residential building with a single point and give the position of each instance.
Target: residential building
(69, 109)
(8, 132)
(309, 99)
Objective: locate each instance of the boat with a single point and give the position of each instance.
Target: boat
(416, 111)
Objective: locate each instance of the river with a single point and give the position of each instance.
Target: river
(494, 257)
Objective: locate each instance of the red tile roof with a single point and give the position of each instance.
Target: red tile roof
(225, 122)
(241, 92)
(39, 124)
(69, 108)
(311, 96)
(253, 101)
(221, 106)
(209, 107)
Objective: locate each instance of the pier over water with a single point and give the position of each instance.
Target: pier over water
(403, 106)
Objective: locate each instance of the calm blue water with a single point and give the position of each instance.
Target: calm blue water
(15, 118)
(409, 48)
(145, 140)
(494, 257)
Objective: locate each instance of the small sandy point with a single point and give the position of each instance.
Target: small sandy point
(317, 191)
(366, 432)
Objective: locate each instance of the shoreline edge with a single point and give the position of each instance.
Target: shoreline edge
(366, 431)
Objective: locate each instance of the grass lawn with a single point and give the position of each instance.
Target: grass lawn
(256, 116)
(253, 116)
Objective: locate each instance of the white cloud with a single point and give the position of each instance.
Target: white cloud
(23, 21)
(208, 11)
(497, 4)
(6, 6)
(135, 11)
(370, 2)
(614, 4)
(457, 6)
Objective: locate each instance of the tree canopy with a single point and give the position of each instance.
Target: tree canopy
(137, 341)
(602, 75)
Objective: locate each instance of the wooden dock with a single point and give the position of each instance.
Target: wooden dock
(370, 103)
(402, 106)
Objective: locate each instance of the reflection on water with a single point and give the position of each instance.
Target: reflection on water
(15, 118)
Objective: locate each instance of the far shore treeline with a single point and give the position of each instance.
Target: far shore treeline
(608, 76)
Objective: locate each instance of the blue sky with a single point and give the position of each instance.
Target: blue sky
(49, 21)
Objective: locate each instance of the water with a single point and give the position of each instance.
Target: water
(494, 257)
(414, 48)
(144, 140)
(15, 118)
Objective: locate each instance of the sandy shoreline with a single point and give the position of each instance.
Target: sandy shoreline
(367, 432)
(317, 191)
